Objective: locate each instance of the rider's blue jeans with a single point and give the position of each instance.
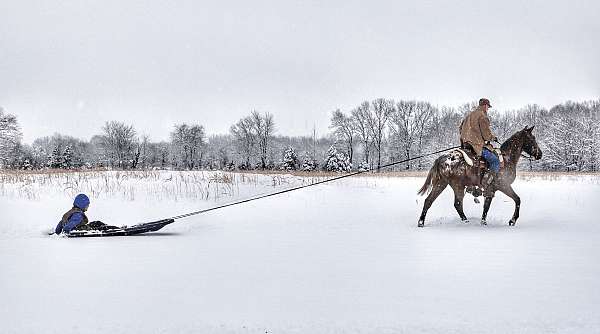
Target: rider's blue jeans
(491, 159)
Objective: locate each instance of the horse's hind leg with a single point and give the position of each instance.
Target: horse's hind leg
(459, 195)
(486, 207)
(435, 192)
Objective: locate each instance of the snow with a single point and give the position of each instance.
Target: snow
(343, 257)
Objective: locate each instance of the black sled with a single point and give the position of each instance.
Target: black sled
(114, 231)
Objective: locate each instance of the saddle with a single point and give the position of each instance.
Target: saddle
(476, 168)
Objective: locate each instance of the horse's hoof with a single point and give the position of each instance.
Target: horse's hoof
(421, 223)
(512, 223)
(465, 221)
(483, 222)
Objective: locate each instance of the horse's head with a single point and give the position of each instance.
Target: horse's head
(530, 145)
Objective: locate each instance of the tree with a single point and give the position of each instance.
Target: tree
(264, 128)
(363, 166)
(336, 161)
(290, 159)
(409, 123)
(245, 138)
(55, 158)
(569, 133)
(253, 135)
(67, 158)
(378, 117)
(10, 137)
(219, 151)
(187, 142)
(344, 130)
(49, 151)
(118, 142)
(309, 163)
(360, 117)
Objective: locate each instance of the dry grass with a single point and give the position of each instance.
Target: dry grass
(420, 173)
(175, 185)
(322, 174)
(124, 184)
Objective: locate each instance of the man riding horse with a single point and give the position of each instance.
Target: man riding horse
(458, 170)
(475, 134)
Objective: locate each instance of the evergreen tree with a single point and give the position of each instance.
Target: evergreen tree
(67, 158)
(309, 163)
(363, 166)
(336, 161)
(55, 158)
(26, 165)
(290, 159)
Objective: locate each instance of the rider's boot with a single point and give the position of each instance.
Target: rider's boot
(488, 178)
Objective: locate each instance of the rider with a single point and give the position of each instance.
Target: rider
(475, 132)
(75, 218)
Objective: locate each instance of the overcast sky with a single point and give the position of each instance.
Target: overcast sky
(70, 66)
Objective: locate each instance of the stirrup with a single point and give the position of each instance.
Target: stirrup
(488, 179)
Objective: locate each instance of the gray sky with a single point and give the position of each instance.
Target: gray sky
(70, 66)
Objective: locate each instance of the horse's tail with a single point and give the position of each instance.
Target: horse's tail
(432, 177)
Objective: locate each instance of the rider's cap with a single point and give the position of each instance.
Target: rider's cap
(483, 101)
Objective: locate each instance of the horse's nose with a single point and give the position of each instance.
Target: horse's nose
(539, 155)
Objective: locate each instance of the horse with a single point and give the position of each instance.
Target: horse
(452, 169)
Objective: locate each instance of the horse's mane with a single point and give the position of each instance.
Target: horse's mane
(506, 145)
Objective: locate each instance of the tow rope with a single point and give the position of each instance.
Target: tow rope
(308, 185)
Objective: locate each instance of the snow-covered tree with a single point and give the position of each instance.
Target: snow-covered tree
(245, 139)
(344, 130)
(360, 117)
(67, 158)
(363, 166)
(337, 161)
(290, 159)
(188, 145)
(118, 143)
(55, 158)
(10, 137)
(26, 165)
(380, 112)
(264, 128)
(309, 163)
(410, 122)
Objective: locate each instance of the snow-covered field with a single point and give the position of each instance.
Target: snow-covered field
(344, 257)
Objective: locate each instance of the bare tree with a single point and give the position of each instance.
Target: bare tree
(345, 129)
(245, 138)
(10, 137)
(360, 117)
(187, 143)
(379, 114)
(118, 142)
(408, 126)
(141, 157)
(219, 149)
(264, 128)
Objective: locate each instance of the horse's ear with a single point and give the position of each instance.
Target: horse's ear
(525, 129)
(531, 128)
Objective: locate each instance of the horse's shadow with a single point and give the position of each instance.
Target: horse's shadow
(471, 223)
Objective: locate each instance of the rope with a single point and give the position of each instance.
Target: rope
(307, 185)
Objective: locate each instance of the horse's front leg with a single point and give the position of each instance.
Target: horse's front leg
(486, 207)
(509, 191)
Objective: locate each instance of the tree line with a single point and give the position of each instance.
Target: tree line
(367, 136)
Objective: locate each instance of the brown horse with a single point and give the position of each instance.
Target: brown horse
(452, 169)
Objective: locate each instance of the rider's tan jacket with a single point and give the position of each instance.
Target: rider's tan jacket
(475, 130)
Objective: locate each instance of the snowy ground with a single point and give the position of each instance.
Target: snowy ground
(344, 257)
